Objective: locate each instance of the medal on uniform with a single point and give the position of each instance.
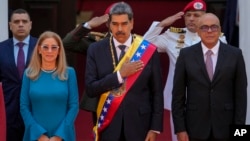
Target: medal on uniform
(180, 42)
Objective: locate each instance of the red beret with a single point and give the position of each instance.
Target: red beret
(195, 5)
(108, 9)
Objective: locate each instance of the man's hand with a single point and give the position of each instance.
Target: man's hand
(182, 136)
(151, 136)
(170, 20)
(129, 68)
(97, 21)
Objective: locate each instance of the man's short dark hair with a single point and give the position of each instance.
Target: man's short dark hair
(19, 11)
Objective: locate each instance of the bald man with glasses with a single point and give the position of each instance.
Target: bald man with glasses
(209, 87)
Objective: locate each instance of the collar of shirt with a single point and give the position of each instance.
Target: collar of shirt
(25, 47)
(26, 41)
(191, 34)
(127, 43)
(214, 56)
(215, 49)
(191, 37)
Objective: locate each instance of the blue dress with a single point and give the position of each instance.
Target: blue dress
(49, 106)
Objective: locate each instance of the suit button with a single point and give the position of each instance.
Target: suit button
(212, 90)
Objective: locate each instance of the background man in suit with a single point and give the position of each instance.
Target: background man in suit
(139, 115)
(11, 77)
(209, 92)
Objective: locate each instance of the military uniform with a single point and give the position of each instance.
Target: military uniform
(78, 40)
(171, 41)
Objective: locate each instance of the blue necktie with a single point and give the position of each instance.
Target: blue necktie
(20, 59)
(209, 64)
(122, 48)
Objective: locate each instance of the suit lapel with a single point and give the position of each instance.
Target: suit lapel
(115, 53)
(220, 60)
(12, 58)
(107, 52)
(200, 60)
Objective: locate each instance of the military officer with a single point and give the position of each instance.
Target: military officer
(174, 39)
(78, 40)
(81, 37)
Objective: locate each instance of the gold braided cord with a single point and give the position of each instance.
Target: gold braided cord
(112, 51)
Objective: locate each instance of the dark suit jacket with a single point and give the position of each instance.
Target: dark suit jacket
(200, 105)
(142, 107)
(11, 81)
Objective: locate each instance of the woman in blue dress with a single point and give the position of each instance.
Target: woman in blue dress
(49, 95)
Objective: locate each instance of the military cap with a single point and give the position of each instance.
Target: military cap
(108, 9)
(195, 5)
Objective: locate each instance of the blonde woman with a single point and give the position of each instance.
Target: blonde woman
(49, 94)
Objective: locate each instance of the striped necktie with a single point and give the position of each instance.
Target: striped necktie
(122, 48)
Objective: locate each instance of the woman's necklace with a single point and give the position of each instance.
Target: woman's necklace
(48, 71)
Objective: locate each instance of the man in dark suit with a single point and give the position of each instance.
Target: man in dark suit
(132, 90)
(10, 74)
(210, 90)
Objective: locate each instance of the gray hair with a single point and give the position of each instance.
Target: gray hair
(120, 8)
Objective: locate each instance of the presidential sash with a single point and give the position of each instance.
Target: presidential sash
(109, 102)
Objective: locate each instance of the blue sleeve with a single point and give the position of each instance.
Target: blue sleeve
(31, 126)
(66, 129)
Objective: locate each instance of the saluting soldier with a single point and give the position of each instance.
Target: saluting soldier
(78, 40)
(174, 39)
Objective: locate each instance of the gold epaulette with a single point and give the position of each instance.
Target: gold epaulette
(97, 36)
(177, 30)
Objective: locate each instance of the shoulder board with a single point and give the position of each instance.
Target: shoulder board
(177, 30)
(97, 34)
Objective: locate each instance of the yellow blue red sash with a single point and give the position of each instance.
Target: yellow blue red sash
(109, 103)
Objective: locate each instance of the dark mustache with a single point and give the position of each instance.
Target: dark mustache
(119, 33)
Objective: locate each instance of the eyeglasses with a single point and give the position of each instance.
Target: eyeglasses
(53, 48)
(213, 28)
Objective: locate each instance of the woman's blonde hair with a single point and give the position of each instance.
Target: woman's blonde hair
(35, 65)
